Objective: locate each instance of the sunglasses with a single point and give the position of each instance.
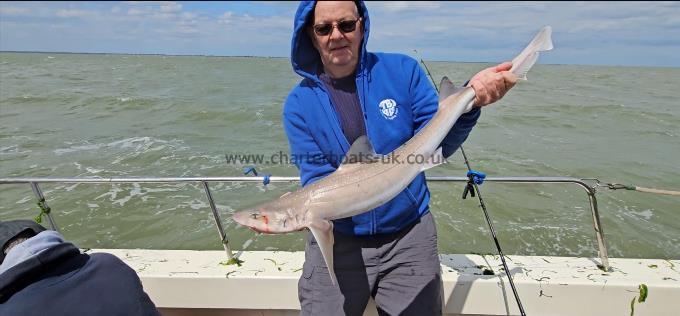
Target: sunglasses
(345, 26)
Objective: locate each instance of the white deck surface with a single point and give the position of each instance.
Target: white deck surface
(196, 282)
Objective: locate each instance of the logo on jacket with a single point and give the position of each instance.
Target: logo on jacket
(388, 108)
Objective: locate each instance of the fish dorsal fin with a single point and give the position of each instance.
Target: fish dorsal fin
(446, 89)
(361, 151)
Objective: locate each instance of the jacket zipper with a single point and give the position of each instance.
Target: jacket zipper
(362, 102)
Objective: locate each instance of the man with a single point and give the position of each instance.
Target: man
(41, 274)
(389, 253)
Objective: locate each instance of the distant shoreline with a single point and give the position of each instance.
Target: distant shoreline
(279, 57)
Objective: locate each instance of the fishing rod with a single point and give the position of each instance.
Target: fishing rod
(472, 188)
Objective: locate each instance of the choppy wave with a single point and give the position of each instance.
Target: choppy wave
(101, 116)
(137, 145)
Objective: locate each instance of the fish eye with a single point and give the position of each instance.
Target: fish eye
(254, 216)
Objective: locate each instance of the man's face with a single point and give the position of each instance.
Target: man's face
(339, 51)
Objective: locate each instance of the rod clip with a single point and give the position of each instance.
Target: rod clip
(474, 177)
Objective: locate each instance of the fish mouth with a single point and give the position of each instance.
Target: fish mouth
(245, 218)
(241, 218)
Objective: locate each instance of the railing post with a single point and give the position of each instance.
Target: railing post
(599, 233)
(218, 221)
(43, 204)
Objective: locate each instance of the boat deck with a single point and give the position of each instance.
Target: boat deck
(183, 282)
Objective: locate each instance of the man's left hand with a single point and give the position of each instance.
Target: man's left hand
(492, 83)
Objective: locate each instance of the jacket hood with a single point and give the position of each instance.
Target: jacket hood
(31, 247)
(34, 268)
(303, 56)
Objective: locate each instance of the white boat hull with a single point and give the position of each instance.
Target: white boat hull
(185, 282)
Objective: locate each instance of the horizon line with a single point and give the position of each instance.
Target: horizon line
(281, 57)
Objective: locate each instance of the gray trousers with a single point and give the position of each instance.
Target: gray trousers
(401, 271)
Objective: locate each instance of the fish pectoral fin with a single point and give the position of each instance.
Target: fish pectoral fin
(436, 159)
(323, 233)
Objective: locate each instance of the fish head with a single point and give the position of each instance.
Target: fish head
(266, 219)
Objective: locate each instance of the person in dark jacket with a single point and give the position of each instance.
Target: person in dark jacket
(390, 252)
(41, 274)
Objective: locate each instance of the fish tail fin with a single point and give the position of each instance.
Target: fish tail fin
(323, 233)
(527, 58)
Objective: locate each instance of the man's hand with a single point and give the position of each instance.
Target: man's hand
(491, 84)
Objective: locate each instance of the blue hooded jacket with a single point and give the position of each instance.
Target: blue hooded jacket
(315, 135)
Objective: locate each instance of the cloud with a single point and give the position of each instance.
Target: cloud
(403, 6)
(483, 31)
(137, 12)
(75, 13)
(13, 11)
(171, 7)
(135, 2)
(459, 31)
(164, 9)
(226, 18)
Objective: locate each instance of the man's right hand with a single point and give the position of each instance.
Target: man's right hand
(492, 83)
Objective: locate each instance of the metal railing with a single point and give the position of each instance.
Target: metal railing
(34, 183)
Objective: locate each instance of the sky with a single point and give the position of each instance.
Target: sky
(589, 33)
